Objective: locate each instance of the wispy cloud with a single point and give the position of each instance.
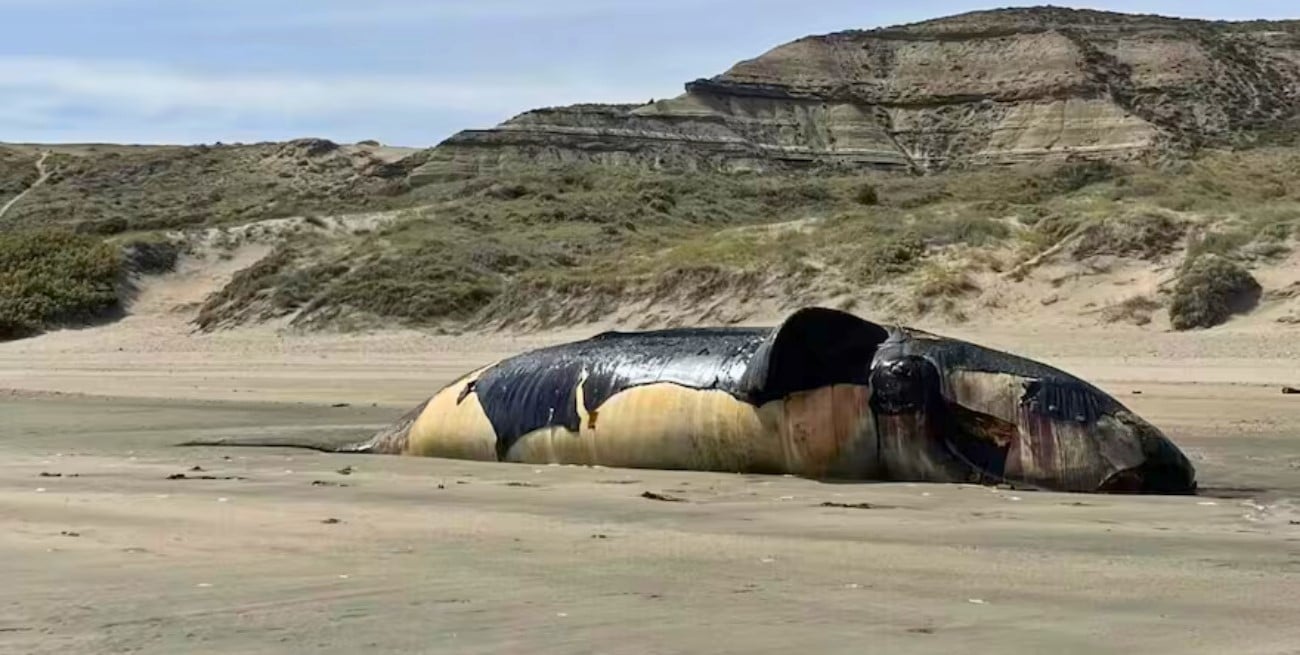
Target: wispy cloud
(61, 92)
(152, 89)
(330, 11)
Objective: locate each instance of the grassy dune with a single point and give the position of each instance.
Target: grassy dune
(545, 247)
(550, 247)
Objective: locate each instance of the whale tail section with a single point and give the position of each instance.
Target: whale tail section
(391, 440)
(394, 439)
(280, 442)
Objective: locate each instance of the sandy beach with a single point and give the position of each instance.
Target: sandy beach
(106, 550)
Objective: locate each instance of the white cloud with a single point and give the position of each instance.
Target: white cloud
(66, 96)
(151, 90)
(330, 12)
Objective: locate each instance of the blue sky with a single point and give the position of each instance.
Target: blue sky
(406, 72)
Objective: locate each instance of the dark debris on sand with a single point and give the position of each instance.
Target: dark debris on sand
(183, 476)
(650, 495)
(850, 505)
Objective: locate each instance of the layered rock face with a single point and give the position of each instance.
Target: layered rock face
(996, 87)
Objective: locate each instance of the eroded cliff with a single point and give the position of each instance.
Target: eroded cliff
(997, 87)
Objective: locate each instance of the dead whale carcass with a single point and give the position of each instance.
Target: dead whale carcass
(824, 395)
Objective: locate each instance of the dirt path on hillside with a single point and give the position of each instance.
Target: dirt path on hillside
(43, 176)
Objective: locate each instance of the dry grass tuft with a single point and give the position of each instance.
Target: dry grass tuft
(939, 287)
(1136, 310)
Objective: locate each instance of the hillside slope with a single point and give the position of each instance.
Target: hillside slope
(108, 189)
(998, 87)
(1071, 245)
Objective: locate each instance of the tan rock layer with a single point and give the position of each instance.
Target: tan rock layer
(986, 88)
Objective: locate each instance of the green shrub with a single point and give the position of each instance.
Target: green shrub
(1210, 289)
(104, 227)
(51, 278)
(1074, 176)
(150, 257)
(867, 195)
(783, 193)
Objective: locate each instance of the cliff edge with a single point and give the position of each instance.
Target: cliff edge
(985, 88)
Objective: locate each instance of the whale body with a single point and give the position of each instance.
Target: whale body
(824, 395)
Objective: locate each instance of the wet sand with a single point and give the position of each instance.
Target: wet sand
(106, 554)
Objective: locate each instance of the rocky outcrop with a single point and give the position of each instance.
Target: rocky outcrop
(996, 87)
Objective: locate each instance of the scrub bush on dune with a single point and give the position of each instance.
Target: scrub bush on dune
(1211, 289)
(51, 278)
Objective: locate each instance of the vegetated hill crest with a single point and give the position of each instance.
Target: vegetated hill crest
(109, 189)
(994, 87)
